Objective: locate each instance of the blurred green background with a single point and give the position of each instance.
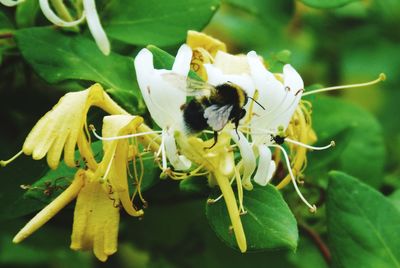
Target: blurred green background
(350, 42)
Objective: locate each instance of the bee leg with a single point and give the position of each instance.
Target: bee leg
(215, 140)
(236, 128)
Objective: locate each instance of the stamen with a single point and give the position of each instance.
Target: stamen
(240, 191)
(4, 163)
(104, 177)
(54, 18)
(313, 208)
(93, 129)
(163, 154)
(382, 77)
(331, 144)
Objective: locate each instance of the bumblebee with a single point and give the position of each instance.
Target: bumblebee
(212, 107)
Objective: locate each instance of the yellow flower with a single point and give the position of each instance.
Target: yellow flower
(204, 49)
(219, 162)
(99, 192)
(63, 127)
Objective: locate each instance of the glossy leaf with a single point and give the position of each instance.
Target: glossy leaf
(268, 223)
(363, 225)
(360, 149)
(160, 23)
(58, 57)
(327, 3)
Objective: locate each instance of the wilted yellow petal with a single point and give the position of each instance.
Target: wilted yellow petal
(117, 152)
(62, 127)
(51, 209)
(202, 40)
(204, 49)
(96, 220)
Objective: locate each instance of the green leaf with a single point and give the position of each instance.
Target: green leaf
(363, 225)
(360, 149)
(162, 23)
(5, 23)
(195, 185)
(25, 15)
(57, 57)
(268, 223)
(395, 198)
(327, 3)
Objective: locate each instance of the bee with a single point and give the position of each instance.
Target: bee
(212, 107)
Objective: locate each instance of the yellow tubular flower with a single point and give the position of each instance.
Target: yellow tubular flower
(113, 168)
(96, 220)
(52, 209)
(63, 128)
(219, 161)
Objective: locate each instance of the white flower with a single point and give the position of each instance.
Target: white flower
(89, 12)
(279, 96)
(164, 100)
(279, 99)
(92, 18)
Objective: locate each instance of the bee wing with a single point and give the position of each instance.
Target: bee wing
(191, 86)
(217, 116)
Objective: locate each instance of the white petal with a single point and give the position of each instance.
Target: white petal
(231, 64)
(11, 3)
(292, 78)
(179, 162)
(95, 27)
(248, 158)
(293, 81)
(162, 99)
(266, 167)
(51, 16)
(216, 77)
(182, 60)
(271, 91)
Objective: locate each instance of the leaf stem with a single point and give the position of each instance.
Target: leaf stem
(317, 240)
(6, 35)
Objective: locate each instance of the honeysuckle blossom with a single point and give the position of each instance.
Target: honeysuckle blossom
(164, 101)
(275, 115)
(62, 18)
(279, 96)
(63, 128)
(101, 188)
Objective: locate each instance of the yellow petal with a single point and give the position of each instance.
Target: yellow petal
(233, 210)
(202, 40)
(51, 209)
(204, 49)
(62, 127)
(117, 152)
(96, 220)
